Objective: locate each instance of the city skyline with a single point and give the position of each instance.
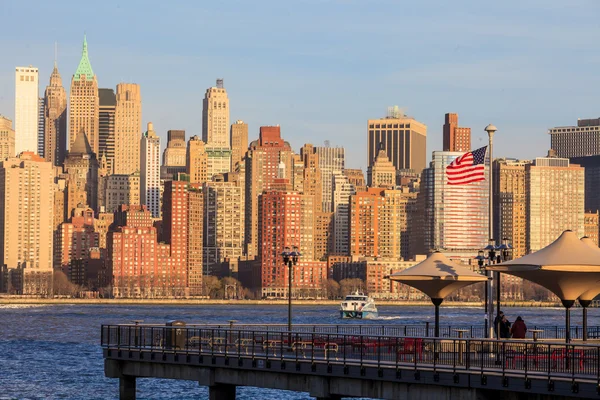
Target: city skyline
(496, 72)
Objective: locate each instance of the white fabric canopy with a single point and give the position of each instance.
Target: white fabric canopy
(592, 293)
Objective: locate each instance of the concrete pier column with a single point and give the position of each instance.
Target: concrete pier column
(330, 397)
(127, 387)
(221, 391)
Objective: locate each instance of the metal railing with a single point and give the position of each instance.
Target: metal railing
(408, 330)
(522, 358)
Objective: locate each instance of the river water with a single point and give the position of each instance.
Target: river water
(53, 351)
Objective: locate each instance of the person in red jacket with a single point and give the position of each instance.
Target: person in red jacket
(519, 329)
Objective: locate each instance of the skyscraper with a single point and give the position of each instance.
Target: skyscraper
(26, 218)
(382, 172)
(84, 102)
(55, 115)
(196, 163)
(239, 142)
(26, 109)
(357, 178)
(121, 189)
(455, 137)
(174, 154)
(576, 141)
(312, 175)
(342, 190)
(215, 129)
(41, 126)
(150, 173)
(331, 161)
(7, 138)
(106, 126)
(403, 138)
(82, 167)
(128, 128)
(555, 200)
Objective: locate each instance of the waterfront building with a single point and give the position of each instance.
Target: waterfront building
(239, 142)
(55, 120)
(582, 140)
(591, 226)
(106, 126)
(555, 200)
(357, 178)
(77, 237)
(150, 171)
(223, 222)
(455, 217)
(403, 138)
(26, 220)
(342, 190)
(331, 162)
(455, 137)
(121, 189)
(175, 152)
(196, 166)
(81, 166)
(26, 109)
(262, 166)
(7, 138)
(510, 205)
(382, 172)
(84, 102)
(128, 128)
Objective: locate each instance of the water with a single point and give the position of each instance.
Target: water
(53, 351)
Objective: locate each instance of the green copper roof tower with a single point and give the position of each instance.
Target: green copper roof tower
(84, 68)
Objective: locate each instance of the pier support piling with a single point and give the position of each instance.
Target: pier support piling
(127, 387)
(220, 391)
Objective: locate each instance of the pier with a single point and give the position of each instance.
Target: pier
(354, 363)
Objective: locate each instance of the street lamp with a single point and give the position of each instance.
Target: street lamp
(491, 256)
(480, 262)
(491, 129)
(290, 258)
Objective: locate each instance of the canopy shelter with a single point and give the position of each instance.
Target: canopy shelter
(437, 277)
(567, 267)
(586, 298)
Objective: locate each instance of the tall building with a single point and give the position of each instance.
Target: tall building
(77, 237)
(175, 229)
(82, 167)
(122, 189)
(592, 180)
(312, 175)
(262, 166)
(576, 141)
(215, 116)
(555, 200)
(41, 126)
(195, 221)
(357, 178)
(55, 120)
(404, 139)
(455, 137)
(150, 173)
(26, 109)
(175, 153)
(128, 128)
(84, 102)
(7, 138)
(342, 190)
(106, 126)
(26, 219)
(196, 160)
(331, 162)
(382, 172)
(223, 222)
(510, 206)
(239, 142)
(455, 216)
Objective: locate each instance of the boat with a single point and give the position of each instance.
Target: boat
(358, 305)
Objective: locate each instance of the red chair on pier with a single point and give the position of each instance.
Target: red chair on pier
(410, 346)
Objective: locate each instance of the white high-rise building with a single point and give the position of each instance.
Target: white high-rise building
(150, 171)
(26, 109)
(331, 161)
(340, 199)
(215, 129)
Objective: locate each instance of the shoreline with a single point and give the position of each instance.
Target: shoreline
(190, 302)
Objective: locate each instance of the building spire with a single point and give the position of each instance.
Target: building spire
(84, 68)
(55, 55)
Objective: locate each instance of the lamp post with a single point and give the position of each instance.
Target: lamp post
(491, 257)
(491, 129)
(290, 258)
(480, 262)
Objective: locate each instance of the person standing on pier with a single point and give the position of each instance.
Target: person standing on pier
(519, 329)
(498, 323)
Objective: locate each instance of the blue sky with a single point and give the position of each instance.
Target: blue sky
(320, 69)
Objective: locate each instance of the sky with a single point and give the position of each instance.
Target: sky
(322, 68)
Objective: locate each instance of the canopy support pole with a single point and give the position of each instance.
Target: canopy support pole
(585, 304)
(568, 304)
(436, 302)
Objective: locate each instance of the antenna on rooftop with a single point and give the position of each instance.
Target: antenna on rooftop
(395, 112)
(327, 144)
(220, 83)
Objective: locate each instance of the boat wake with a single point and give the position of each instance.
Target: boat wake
(389, 318)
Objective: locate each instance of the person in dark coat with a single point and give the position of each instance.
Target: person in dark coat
(505, 328)
(498, 322)
(519, 329)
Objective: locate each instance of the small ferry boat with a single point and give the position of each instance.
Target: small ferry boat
(358, 305)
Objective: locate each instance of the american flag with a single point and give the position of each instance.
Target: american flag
(468, 168)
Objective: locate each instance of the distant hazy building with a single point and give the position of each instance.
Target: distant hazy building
(55, 120)
(382, 172)
(128, 128)
(150, 171)
(331, 161)
(196, 160)
(7, 138)
(84, 102)
(455, 137)
(174, 154)
(555, 200)
(576, 141)
(26, 109)
(239, 142)
(403, 138)
(26, 219)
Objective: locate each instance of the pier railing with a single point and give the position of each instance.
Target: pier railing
(407, 330)
(522, 358)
